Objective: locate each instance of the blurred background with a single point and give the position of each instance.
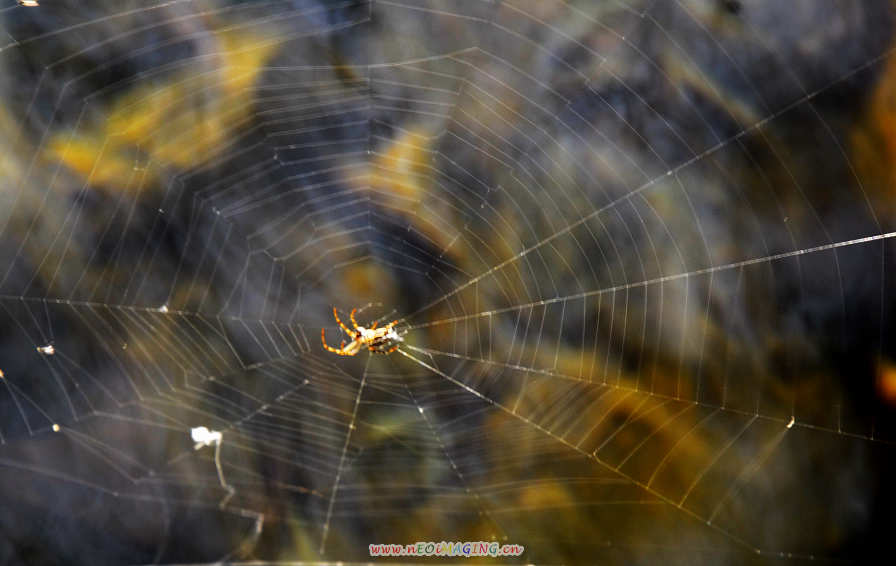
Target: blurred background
(640, 251)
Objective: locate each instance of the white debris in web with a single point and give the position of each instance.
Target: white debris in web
(203, 437)
(47, 350)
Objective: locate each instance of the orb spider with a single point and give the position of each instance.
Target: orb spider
(377, 340)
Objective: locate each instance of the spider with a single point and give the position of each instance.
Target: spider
(375, 339)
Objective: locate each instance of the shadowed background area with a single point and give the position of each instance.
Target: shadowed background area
(641, 253)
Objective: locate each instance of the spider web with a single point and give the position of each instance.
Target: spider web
(637, 251)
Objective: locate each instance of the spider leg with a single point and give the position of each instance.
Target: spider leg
(368, 305)
(344, 327)
(377, 347)
(351, 315)
(373, 327)
(323, 340)
(341, 350)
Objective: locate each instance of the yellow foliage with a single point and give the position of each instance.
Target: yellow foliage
(182, 123)
(874, 144)
(367, 279)
(91, 160)
(398, 171)
(886, 381)
(545, 496)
